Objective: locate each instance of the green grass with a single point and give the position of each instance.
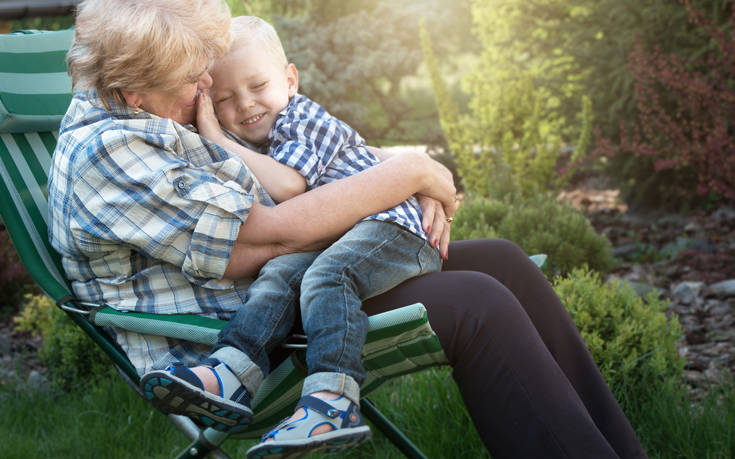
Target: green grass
(111, 421)
(669, 426)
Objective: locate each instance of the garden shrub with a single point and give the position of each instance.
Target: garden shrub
(538, 225)
(685, 110)
(630, 338)
(71, 357)
(360, 61)
(511, 141)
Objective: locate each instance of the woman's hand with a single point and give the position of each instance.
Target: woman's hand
(207, 122)
(439, 183)
(442, 177)
(434, 222)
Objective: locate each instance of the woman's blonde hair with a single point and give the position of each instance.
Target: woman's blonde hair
(144, 45)
(252, 29)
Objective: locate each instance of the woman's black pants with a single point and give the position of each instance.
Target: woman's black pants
(526, 376)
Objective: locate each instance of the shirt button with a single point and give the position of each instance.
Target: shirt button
(181, 184)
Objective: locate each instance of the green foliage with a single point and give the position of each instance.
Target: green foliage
(44, 23)
(538, 225)
(511, 140)
(35, 316)
(670, 425)
(360, 60)
(71, 357)
(630, 338)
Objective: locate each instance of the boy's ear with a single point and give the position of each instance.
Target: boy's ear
(132, 98)
(292, 77)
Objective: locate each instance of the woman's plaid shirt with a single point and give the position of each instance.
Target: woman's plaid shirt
(144, 213)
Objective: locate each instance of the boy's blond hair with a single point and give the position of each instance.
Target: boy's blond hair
(143, 45)
(252, 29)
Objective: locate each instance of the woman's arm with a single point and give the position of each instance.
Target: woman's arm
(280, 181)
(433, 217)
(314, 219)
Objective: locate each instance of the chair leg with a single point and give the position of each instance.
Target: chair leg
(204, 442)
(370, 411)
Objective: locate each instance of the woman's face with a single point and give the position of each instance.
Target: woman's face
(179, 104)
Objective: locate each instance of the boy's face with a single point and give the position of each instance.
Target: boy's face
(250, 89)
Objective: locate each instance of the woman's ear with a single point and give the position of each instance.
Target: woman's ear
(132, 98)
(292, 78)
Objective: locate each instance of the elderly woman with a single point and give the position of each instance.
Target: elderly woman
(149, 216)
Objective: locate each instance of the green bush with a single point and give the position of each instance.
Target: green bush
(361, 61)
(538, 225)
(70, 356)
(630, 338)
(513, 137)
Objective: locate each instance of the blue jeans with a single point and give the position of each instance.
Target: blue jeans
(371, 258)
(265, 319)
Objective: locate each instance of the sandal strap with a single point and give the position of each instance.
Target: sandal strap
(339, 418)
(350, 416)
(180, 370)
(229, 386)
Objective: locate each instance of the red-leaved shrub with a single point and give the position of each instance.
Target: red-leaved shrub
(686, 108)
(14, 280)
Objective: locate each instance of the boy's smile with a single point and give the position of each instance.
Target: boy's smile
(250, 89)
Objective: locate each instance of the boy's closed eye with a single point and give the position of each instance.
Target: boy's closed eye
(259, 85)
(222, 98)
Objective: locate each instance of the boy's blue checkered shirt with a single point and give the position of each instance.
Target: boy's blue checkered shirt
(324, 149)
(144, 213)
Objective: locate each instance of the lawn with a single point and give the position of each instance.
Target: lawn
(111, 421)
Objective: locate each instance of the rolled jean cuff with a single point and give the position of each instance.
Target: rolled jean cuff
(339, 383)
(245, 369)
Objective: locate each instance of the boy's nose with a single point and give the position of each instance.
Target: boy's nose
(246, 102)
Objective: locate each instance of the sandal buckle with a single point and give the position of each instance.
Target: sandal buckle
(332, 412)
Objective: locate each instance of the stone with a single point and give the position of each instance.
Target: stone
(37, 381)
(715, 373)
(643, 289)
(722, 289)
(686, 292)
(724, 214)
(692, 227)
(625, 250)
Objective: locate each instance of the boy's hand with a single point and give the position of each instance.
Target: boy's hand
(207, 122)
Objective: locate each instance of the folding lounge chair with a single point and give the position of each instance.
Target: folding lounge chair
(34, 94)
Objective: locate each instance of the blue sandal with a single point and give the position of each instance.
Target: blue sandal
(178, 390)
(294, 438)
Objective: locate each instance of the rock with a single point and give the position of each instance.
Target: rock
(643, 289)
(37, 381)
(715, 373)
(694, 378)
(724, 214)
(692, 227)
(722, 289)
(687, 292)
(625, 250)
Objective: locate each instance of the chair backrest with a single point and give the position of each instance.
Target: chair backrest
(35, 91)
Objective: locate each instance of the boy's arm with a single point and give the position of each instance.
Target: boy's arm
(279, 180)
